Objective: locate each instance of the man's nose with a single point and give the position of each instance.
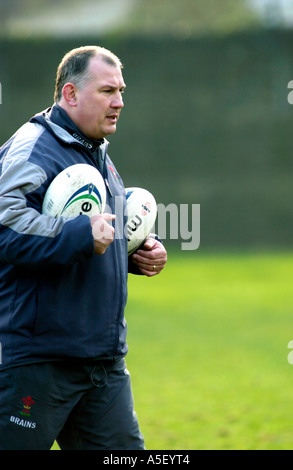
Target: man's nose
(118, 102)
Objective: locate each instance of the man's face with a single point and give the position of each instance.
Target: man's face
(99, 102)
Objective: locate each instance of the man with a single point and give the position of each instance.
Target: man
(63, 283)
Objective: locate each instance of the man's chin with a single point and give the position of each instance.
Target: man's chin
(111, 130)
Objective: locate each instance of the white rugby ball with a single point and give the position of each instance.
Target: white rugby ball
(77, 190)
(141, 216)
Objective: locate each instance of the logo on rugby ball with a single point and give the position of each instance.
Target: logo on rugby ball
(89, 192)
(141, 216)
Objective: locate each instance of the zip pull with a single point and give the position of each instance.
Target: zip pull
(108, 186)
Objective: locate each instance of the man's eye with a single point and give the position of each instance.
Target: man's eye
(110, 91)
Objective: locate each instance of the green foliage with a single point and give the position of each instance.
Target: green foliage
(188, 18)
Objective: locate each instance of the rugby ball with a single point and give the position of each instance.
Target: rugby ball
(77, 190)
(141, 215)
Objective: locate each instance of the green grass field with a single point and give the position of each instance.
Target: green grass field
(208, 352)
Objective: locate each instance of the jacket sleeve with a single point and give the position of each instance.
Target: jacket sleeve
(29, 238)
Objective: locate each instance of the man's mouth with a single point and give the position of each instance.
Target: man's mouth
(113, 118)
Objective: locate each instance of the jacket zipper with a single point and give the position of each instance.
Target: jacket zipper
(104, 150)
(108, 187)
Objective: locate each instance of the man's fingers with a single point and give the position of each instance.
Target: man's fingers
(151, 259)
(103, 232)
(108, 217)
(100, 217)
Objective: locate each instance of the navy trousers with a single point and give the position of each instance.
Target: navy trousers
(81, 406)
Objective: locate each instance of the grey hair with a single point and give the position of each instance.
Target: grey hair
(74, 67)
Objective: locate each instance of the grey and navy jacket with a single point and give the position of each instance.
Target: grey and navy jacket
(58, 300)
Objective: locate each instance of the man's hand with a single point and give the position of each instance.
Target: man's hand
(103, 232)
(151, 258)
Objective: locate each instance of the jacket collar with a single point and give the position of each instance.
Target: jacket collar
(59, 123)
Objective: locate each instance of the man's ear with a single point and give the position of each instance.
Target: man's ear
(69, 93)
